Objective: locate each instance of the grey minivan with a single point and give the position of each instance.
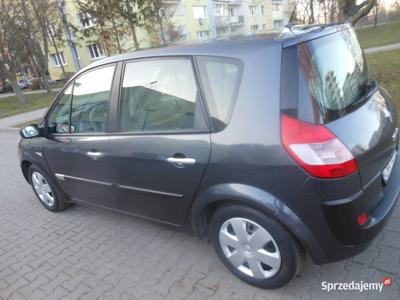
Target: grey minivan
(269, 147)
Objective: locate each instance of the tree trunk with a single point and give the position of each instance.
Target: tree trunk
(332, 16)
(134, 35)
(352, 12)
(376, 13)
(132, 25)
(311, 20)
(116, 36)
(21, 97)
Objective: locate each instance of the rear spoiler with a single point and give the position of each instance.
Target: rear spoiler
(300, 34)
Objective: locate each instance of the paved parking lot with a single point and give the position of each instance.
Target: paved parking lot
(87, 253)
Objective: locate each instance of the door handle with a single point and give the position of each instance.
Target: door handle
(93, 153)
(181, 161)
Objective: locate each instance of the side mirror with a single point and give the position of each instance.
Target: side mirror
(29, 132)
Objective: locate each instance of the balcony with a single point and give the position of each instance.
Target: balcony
(225, 21)
(229, 2)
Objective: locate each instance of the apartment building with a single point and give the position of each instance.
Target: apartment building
(193, 20)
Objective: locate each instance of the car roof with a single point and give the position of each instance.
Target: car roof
(231, 46)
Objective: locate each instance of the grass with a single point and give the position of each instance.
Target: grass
(384, 34)
(10, 106)
(385, 67)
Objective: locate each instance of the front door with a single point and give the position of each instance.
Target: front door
(77, 151)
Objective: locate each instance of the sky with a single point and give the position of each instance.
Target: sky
(388, 3)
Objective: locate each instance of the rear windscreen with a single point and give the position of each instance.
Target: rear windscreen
(333, 74)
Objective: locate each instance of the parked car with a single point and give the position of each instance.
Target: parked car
(269, 148)
(24, 83)
(6, 87)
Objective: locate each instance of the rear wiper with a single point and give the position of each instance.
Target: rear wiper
(372, 88)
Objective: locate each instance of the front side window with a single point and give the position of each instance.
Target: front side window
(83, 107)
(90, 101)
(220, 78)
(160, 95)
(58, 119)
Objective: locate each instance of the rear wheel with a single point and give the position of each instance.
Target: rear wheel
(255, 247)
(45, 190)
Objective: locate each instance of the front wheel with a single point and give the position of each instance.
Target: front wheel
(255, 247)
(45, 190)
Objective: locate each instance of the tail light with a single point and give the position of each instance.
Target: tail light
(316, 149)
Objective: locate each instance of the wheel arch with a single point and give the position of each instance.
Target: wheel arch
(207, 202)
(25, 164)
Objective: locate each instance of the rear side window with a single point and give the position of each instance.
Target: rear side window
(160, 95)
(333, 74)
(220, 78)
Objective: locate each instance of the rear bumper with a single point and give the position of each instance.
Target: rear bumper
(341, 216)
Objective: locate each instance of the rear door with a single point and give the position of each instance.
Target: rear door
(335, 89)
(162, 146)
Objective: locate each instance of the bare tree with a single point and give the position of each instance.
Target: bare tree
(350, 11)
(33, 35)
(375, 12)
(10, 28)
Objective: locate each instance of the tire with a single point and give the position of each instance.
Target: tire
(48, 196)
(261, 251)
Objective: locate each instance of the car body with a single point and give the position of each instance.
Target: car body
(24, 83)
(246, 157)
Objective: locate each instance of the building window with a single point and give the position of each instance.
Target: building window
(203, 34)
(263, 26)
(221, 10)
(87, 20)
(253, 10)
(276, 7)
(278, 23)
(254, 27)
(58, 59)
(262, 10)
(96, 51)
(200, 12)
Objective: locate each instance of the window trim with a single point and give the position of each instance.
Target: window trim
(72, 81)
(200, 94)
(205, 86)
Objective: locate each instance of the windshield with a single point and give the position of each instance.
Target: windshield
(332, 74)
